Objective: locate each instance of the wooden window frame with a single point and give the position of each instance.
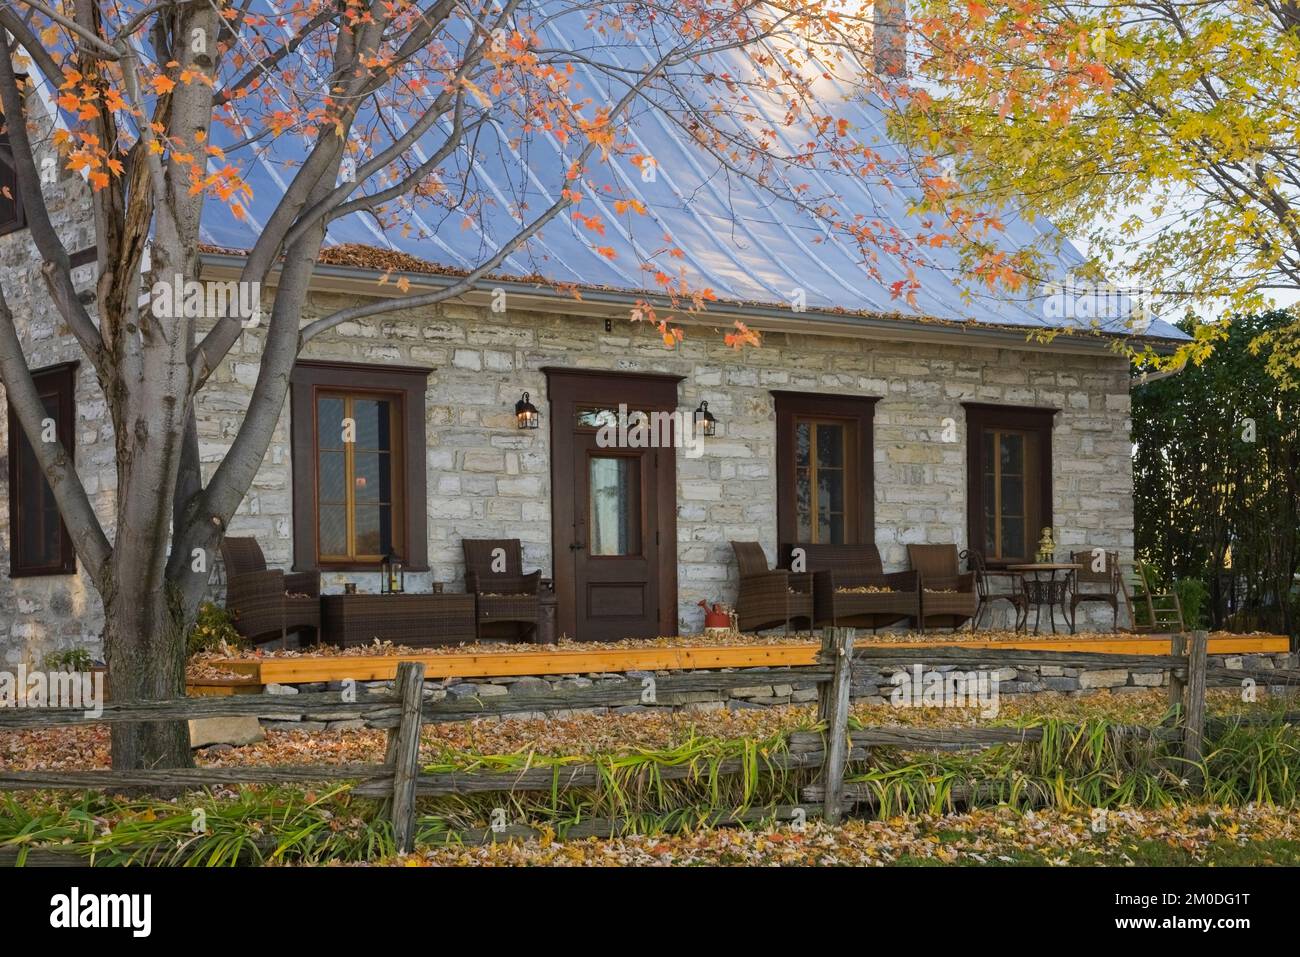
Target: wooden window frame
(59, 381)
(1034, 420)
(407, 384)
(397, 470)
(857, 411)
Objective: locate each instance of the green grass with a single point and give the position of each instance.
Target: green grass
(1091, 764)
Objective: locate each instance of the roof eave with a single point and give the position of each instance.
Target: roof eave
(608, 303)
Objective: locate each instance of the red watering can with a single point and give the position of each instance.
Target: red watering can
(716, 616)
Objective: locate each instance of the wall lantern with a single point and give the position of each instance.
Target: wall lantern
(394, 576)
(705, 423)
(526, 413)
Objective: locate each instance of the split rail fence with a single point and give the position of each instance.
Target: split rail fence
(399, 782)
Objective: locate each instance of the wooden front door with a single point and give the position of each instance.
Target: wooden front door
(614, 508)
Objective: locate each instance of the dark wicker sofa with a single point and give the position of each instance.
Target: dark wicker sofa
(838, 570)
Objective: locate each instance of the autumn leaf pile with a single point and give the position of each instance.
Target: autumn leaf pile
(988, 836)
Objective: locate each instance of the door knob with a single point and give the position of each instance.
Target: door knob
(577, 546)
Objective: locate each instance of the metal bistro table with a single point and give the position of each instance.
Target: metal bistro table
(1047, 584)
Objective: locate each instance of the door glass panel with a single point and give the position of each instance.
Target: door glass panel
(614, 520)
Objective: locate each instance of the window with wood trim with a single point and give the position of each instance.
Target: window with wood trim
(39, 543)
(1009, 463)
(358, 451)
(11, 207)
(825, 490)
(360, 512)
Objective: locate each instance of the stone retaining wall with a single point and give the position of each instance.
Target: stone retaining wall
(872, 690)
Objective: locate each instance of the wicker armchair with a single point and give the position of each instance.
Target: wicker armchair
(267, 603)
(948, 597)
(840, 569)
(992, 585)
(769, 597)
(1107, 584)
(504, 596)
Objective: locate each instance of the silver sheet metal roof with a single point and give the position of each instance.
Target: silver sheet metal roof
(739, 240)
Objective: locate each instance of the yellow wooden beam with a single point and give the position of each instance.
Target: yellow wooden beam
(545, 661)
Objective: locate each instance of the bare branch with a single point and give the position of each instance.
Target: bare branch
(57, 268)
(79, 515)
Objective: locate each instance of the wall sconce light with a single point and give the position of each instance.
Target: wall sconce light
(526, 414)
(705, 423)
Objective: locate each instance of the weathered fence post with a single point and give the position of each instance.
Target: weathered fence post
(403, 755)
(1177, 685)
(1194, 711)
(833, 708)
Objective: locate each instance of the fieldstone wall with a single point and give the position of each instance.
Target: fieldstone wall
(488, 479)
(51, 613)
(871, 688)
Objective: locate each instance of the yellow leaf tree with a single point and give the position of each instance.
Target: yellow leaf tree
(1166, 136)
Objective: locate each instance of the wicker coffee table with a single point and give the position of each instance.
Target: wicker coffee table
(406, 619)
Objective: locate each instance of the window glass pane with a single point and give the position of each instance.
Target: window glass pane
(372, 417)
(38, 539)
(333, 477)
(830, 490)
(333, 531)
(370, 537)
(614, 522)
(329, 422)
(803, 504)
(1013, 538)
(1013, 496)
(596, 418)
(1013, 453)
(830, 529)
(371, 477)
(354, 481)
(1009, 463)
(802, 444)
(830, 446)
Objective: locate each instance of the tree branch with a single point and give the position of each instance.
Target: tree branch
(83, 525)
(57, 267)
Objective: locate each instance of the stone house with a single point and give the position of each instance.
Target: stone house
(853, 422)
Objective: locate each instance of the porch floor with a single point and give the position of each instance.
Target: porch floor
(248, 673)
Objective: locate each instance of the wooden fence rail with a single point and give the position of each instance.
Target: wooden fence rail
(399, 781)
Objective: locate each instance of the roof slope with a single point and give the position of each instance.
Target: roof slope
(738, 240)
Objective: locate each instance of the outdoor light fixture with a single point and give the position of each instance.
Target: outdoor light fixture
(526, 413)
(705, 423)
(394, 576)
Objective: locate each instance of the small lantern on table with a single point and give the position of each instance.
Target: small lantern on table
(393, 581)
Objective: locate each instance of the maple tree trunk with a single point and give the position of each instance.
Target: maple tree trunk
(144, 648)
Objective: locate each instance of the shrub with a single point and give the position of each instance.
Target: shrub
(213, 628)
(73, 659)
(1194, 597)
